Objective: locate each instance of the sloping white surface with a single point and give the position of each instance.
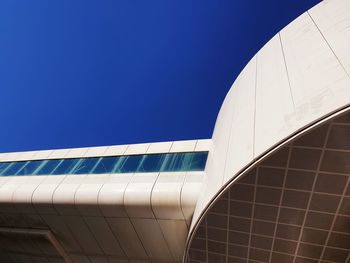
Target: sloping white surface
(299, 77)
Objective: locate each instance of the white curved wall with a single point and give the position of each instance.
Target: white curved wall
(300, 76)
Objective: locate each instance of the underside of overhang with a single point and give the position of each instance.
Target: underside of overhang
(294, 206)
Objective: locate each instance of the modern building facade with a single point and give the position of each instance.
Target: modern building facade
(271, 185)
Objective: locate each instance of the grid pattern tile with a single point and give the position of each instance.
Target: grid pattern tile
(294, 207)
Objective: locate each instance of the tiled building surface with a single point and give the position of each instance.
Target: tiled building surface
(293, 207)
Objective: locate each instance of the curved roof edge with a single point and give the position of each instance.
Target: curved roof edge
(298, 80)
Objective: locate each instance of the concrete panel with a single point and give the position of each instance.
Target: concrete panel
(104, 236)
(137, 196)
(152, 239)
(43, 194)
(111, 195)
(183, 146)
(86, 196)
(175, 233)
(274, 102)
(63, 197)
(332, 19)
(131, 244)
(166, 196)
(319, 83)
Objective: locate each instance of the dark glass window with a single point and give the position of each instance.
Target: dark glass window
(14, 168)
(30, 168)
(198, 161)
(151, 163)
(66, 166)
(128, 164)
(85, 166)
(177, 162)
(48, 167)
(169, 162)
(105, 165)
(4, 166)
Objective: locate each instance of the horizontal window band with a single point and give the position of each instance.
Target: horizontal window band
(144, 163)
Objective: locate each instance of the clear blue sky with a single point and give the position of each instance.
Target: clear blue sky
(87, 73)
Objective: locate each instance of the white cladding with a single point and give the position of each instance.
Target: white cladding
(107, 217)
(298, 78)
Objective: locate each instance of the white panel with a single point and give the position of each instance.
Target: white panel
(104, 236)
(4, 179)
(115, 150)
(86, 197)
(175, 233)
(63, 197)
(3, 157)
(274, 103)
(42, 196)
(137, 196)
(333, 19)
(152, 239)
(95, 151)
(221, 135)
(82, 234)
(319, 85)
(159, 147)
(318, 81)
(140, 148)
(166, 196)
(12, 157)
(241, 142)
(129, 241)
(232, 138)
(42, 155)
(189, 194)
(203, 145)
(111, 195)
(76, 152)
(183, 146)
(22, 197)
(26, 155)
(6, 193)
(58, 154)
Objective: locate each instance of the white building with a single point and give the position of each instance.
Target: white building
(272, 185)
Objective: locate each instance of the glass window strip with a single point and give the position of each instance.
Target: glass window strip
(145, 163)
(49, 167)
(42, 163)
(117, 169)
(19, 171)
(5, 168)
(14, 168)
(96, 164)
